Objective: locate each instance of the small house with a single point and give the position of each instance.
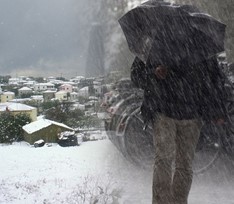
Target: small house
(30, 84)
(44, 86)
(7, 96)
(25, 91)
(48, 95)
(19, 108)
(66, 87)
(44, 129)
(61, 95)
(73, 96)
(84, 92)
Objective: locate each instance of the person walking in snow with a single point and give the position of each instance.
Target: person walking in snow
(177, 100)
(175, 48)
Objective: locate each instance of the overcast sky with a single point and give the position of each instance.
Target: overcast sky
(42, 37)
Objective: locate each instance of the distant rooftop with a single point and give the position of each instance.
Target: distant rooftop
(25, 89)
(15, 107)
(8, 93)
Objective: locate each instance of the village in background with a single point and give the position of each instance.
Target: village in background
(47, 110)
(59, 110)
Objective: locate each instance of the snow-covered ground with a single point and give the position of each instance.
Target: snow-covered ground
(92, 171)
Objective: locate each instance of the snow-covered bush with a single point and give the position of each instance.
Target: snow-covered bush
(92, 191)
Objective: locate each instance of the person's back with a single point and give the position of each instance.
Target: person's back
(188, 91)
(176, 100)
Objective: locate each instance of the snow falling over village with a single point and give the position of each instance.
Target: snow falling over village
(72, 127)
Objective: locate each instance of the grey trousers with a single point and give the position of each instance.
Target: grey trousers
(175, 143)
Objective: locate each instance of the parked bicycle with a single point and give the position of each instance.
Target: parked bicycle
(125, 128)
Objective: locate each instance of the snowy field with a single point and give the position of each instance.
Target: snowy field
(94, 172)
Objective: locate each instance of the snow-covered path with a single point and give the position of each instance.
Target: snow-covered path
(94, 170)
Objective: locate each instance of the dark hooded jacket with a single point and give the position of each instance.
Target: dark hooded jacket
(188, 92)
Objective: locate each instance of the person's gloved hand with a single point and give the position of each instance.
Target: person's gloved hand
(219, 121)
(161, 72)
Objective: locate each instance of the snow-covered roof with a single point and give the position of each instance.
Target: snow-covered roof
(79, 77)
(8, 93)
(86, 88)
(42, 123)
(25, 89)
(15, 107)
(74, 93)
(66, 84)
(93, 98)
(18, 100)
(49, 91)
(40, 117)
(96, 82)
(37, 97)
(51, 77)
(61, 92)
(56, 81)
(69, 83)
(29, 82)
(45, 84)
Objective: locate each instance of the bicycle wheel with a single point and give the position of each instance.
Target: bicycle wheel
(208, 149)
(139, 142)
(228, 140)
(141, 148)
